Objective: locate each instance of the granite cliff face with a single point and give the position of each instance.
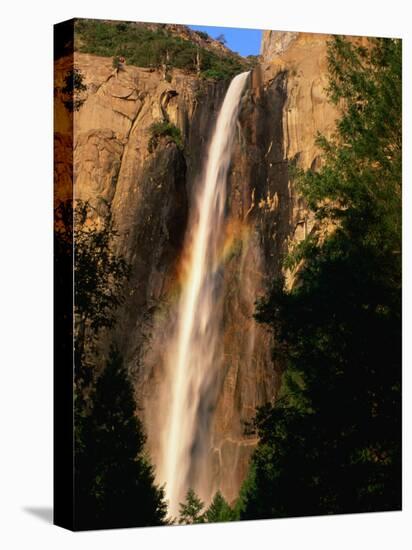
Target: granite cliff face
(148, 190)
(302, 57)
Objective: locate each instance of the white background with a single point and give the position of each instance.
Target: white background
(26, 273)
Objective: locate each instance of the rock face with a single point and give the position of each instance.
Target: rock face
(149, 194)
(302, 58)
(275, 43)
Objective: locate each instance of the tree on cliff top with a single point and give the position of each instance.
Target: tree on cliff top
(149, 46)
(332, 442)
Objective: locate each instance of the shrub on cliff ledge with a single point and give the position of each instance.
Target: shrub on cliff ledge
(164, 129)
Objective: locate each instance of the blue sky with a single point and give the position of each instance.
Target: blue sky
(243, 41)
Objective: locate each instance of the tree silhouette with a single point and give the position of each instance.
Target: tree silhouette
(84, 244)
(115, 479)
(73, 88)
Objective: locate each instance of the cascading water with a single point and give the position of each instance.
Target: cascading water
(193, 357)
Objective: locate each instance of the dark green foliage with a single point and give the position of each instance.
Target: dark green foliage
(219, 68)
(73, 87)
(98, 272)
(164, 129)
(219, 510)
(146, 47)
(115, 484)
(363, 168)
(214, 74)
(99, 277)
(247, 494)
(332, 442)
(191, 509)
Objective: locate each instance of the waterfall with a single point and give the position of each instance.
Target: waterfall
(193, 355)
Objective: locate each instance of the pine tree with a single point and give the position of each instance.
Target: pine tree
(191, 508)
(219, 510)
(115, 479)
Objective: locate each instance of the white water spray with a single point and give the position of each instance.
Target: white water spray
(192, 357)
